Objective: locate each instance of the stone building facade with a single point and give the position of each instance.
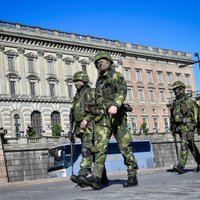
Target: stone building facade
(37, 65)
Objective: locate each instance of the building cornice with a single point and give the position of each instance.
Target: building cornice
(31, 35)
(35, 99)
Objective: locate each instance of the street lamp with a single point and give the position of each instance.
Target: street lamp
(198, 61)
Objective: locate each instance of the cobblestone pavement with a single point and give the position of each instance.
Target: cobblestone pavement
(154, 184)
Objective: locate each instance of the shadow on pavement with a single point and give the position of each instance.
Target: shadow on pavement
(184, 171)
(114, 182)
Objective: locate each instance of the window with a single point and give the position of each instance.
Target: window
(138, 75)
(55, 118)
(36, 122)
(55, 123)
(171, 93)
(141, 94)
(162, 96)
(68, 68)
(17, 124)
(127, 74)
(169, 78)
(149, 77)
(84, 68)
(11, 64)
(152, 95)
(178, 76)
(143, 111)
(155, 124)
(160, 77)
(50, 66)
(129, 94)
(70, 90)
(12, 87)
(52, 89)
(166, 123)
(31, 65)
(144, 120)
(133, 123)
(32, 88)
(187, 80)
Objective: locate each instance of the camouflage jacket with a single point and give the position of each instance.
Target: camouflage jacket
(111, 89)
(184, 112)
(80, 104)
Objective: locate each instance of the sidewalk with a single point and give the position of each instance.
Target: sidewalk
(154, 184)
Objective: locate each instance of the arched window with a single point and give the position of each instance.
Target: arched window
(55, 123)
(55, 118)
(36, 122)
(17, 124)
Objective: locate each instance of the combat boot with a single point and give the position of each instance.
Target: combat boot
(197, 169)
(76, 179)
(104, 178)
(132, 181)
(91, 181)
(178, 169)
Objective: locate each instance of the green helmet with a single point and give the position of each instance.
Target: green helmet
(178, 84)
(102, 54)
(81, 76)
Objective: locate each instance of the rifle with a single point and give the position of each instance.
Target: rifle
(173, 129)
(71, 138)
(176, 146)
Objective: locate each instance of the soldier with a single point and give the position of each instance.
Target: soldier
(184, 121)
(84, 125)
(110, 94)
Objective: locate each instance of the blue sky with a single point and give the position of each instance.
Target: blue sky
(169, 24)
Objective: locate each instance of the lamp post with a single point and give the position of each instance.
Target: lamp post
(197, 55)
(198, 61)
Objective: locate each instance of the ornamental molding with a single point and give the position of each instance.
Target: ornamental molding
(84, 61)
(91, 59)
(31, 55)
(76, 57)
(52, 78)
(59, 55)
(68, 59)
(2, 47)
(20, 50)
(50, 57)
(120, 62)
(33, 77)
(13, 75)
(69, 79)
(40, 53)
(11, 53)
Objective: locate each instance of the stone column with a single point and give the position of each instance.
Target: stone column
(3, 171)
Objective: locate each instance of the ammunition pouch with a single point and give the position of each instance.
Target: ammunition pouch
(108, 94)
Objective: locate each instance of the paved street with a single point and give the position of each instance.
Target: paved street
(154, 184)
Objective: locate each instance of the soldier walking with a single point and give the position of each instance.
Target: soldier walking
(184, 121)
(111, 91)
(84, 125)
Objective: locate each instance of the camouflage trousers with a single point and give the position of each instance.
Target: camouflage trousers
(103, 132)
(187, 143)
(86, 137)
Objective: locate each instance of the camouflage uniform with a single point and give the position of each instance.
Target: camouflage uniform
(184, 120)
(80, 112)
(85, 135)
(111, 90)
